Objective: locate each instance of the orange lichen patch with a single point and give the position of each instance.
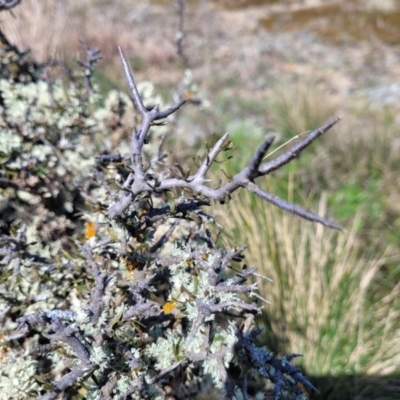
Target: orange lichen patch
(90, 230)
(131, 265)
(143, 212)
(190, 95)
(169, 306)
(204, 256)
(189, 262)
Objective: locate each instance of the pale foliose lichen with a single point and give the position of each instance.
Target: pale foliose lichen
(17, 379)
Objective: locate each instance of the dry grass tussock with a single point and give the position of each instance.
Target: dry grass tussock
(30, 26)
(52, 29)
(367, 134)
(321, 303)
(298, 107)
(357, 162)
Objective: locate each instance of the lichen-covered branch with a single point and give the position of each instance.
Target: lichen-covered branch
(68, 380)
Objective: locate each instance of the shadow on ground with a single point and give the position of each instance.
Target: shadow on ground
(356, 387)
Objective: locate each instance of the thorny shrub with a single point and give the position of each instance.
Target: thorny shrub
(111, 284)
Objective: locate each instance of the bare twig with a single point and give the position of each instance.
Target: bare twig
(138, 138)
(68, 380)
(292, 208)
(101, 280)
(67, 335)
(180, 35)
(197, 183)
(206, 164)
(167, 370)
(296, 149)
(93, 56)
(258, 157)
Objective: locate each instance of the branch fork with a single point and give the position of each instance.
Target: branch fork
(197, 183)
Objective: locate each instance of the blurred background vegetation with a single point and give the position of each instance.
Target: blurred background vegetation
(282, 68)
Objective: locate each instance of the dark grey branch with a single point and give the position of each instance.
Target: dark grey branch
(229, 386)
(233, 304)
(101, 280)
(292, 208)
(197, 182)
(180, 36)
(232, 254)
(137, 100)
(8, 4)
(270, 366)
(296, 149)
(167, 370)
(68, 335)
(148, 117)
(139, 386)
(206, 164)
(96, 305)
(237, 289)
(146, 310)
(68, 380)
(258, 157)
(239, 278)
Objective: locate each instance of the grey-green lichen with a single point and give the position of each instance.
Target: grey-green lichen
(17, 378)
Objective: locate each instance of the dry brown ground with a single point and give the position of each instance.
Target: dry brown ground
(343, 47)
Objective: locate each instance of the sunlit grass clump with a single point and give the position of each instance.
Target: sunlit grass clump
(335, 296)
(321, 299)
(357, 164)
